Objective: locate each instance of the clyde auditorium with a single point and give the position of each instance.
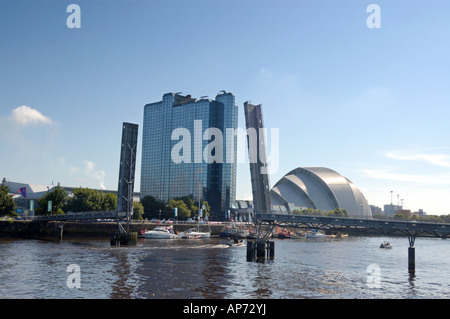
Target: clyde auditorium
(318, 188)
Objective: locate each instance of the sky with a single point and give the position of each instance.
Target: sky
(372, 104)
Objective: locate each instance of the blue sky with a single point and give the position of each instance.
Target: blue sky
(372, 104)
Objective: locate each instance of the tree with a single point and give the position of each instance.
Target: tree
(338, 212)
(190, 203)
(152, 207)
(7, 204)
(138, 211)
(401, 215)
(86, 199)
(183, 210)
(108, 201)
(58, 196)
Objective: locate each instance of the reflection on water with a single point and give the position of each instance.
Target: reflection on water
(208, 268)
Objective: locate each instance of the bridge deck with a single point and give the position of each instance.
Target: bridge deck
(338, 223)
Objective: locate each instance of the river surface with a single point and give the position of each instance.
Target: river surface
(353, 267)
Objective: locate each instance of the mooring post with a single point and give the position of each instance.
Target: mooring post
(270, 250)
(250, 250)
(60, 231)
(411, 260)
(260, 251)
(411, 253)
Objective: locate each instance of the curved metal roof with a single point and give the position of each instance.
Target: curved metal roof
(321, 188)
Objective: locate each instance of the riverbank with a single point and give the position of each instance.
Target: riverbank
(30, 229)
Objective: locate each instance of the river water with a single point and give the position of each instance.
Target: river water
(353, 267)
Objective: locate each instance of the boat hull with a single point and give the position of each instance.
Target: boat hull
(159, 236)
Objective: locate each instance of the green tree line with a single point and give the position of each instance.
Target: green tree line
(186, 208)
(7, 203)
(338, 212)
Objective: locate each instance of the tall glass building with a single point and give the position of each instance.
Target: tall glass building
(181, 127)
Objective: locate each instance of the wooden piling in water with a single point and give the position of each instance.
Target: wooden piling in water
(250, 250)
(260, 251)
(271, 250)
(123, 238)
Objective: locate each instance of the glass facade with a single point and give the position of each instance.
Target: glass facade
(164, 178)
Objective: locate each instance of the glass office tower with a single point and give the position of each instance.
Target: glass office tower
(163, 176)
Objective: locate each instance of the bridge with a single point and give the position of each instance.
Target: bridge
(93, 215)
(409, 228)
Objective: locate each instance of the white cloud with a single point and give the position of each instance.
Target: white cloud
(25, 115)
(443, 179)
(442, 160)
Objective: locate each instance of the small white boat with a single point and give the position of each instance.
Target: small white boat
(160, 233)
(315, 234)
(235, 243)
(386, 245)
(192, 233)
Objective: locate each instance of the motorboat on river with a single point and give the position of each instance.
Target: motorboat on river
(315, 234)
(234, 231)
(235, 242)
(192, 233)
(386, 244)
(160, 232)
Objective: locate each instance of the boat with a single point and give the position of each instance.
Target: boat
(236, 242)
(297, 235)
(315, 234)
(160, 232)
(284, 234)
(192, 233)
(191, 236)
(386, 244)
(232, 231)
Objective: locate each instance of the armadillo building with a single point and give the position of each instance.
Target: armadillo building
(318, 188)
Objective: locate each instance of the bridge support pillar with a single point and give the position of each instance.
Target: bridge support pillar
(411, 260)
(411, 253)
(260, 250)
(251, 250)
